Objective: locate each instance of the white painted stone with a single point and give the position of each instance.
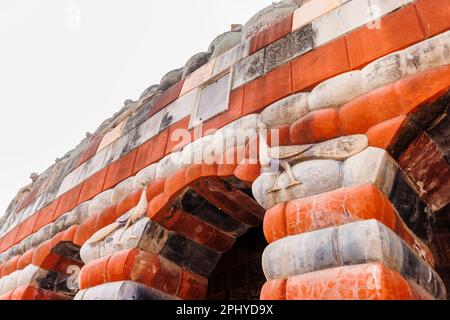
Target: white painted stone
(428, 54)
(115, 242)
(312, 10)
(384, 71)
(10, 282)
(373, 165)
(112, 135)
(122, 290)
(95, 164)
(336, 91)
(341, 20)
(32, 275)
(168, 165)
(179, 109)
(236, 133)
(197, 151)
(100, 202)
(122, 190)
(316, 177)
(248, 69)
(81, 211)
(71, 180)
(229, 58)
(149, 128)
(145, 175)
(285, 111)
(120, 240)
(260, 187)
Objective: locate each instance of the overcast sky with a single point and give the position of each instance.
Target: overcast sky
(65, 66)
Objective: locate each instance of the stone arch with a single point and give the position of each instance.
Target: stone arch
(193, 217)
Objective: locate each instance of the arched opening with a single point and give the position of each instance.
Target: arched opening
(239, 274)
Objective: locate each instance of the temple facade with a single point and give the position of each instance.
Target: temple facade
(304, 155)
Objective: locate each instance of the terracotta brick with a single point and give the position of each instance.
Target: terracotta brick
(317, 66)
(155, 188)
(193, 173)
(68, 201)
(25, 259)
(370, 109)
(383, 135)
(353, 283)
(166, 98)
(121, 265)
(45, 215)
(175, 141)
(274, 225)
(120, 170)
(164, 276)
(434, 15)
(283, 136)
(175, 182)
(44, 258)
(7, 241)
(248, 172)
(105, 218)
(424, 87)
(85, 230)
(69, 234)
(93, 186)
(128, 203)
(267, 89)
(336, 208)
(151, 151)
(317, 126)
(398, 30)
(94, 273)
(193, 286)
(26, 228)
(271, 34)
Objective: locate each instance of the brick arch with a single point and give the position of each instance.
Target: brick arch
(193, 217)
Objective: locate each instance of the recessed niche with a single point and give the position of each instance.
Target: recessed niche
(213, 99)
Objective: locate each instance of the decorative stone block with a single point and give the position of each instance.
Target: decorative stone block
(322, 63)
(429, 54)
(285, 111)
(248, 69)
(336, 91)
(271, 34)
(198, 77)
(312, 10)
(317, 176)
(399, 29)
(289, 47)
(371, 281)
(356, 243)
(384, 71)
(231, 57)
(122, 290)
(370, 166)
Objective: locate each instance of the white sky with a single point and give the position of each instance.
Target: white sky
(60, 79)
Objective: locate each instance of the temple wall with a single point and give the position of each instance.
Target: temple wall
(353, 95)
